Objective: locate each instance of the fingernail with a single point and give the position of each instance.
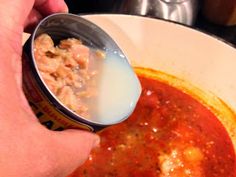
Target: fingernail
(66, 10)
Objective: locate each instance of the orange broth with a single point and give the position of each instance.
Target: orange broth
(169, 134)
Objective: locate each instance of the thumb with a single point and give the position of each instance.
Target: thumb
(72, 148)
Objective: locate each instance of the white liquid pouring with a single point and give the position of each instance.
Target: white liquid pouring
(118, 89)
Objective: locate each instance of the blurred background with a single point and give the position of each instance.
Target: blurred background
(217, 17)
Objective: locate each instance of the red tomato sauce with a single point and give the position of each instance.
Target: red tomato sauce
(169, 134)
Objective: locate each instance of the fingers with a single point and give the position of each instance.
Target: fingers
(33, 18)
(41, 9)
(72, 149)
(47, 7)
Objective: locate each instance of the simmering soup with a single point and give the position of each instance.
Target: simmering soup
(170, 134)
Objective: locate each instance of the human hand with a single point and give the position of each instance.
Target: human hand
(27, 148)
